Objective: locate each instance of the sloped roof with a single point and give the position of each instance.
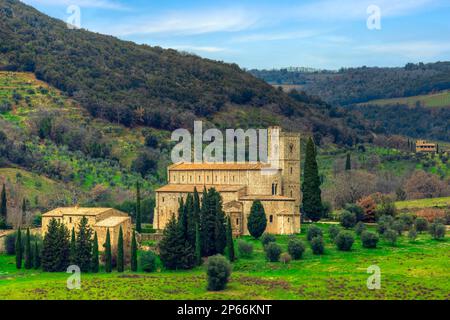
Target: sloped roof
(265, 198)
(189, 188)
(218, 166)
(111, 222)
(76, 211)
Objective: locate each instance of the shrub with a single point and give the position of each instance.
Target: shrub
(314, 231)
(285, 258)
(386, 207)
(296, 248)
(317, 245)
(257, 221)
(37, 220)
(344, 240)
(437, 230)
(421, 224)
(398, 226)
(391, 236)
(333, 231)
(245, 249)
(369, 239)
(273, 252)
(360, 228)
(10, 244)
(369, 206)
(384, 223)
(348, 219)
(3, 224)
(218, 270)
(267, 238)
(412, 234)
(357, 210)
(407, 219)
(148, 261)
(447, 217)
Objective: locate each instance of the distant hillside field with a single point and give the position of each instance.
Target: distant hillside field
(435, 100)
(424, 203)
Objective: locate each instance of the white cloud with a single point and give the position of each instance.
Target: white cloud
(187, 23)
(102, 4)
(411, 50)
(277, 36)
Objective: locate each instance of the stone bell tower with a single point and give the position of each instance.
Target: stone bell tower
(284, 153)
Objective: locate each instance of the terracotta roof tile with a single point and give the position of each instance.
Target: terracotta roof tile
(58, 212)
(218, 166)
(190, 188)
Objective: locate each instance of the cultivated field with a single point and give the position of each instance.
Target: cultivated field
(409, 270)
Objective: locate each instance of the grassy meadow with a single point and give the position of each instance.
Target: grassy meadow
(434, 100)
(423, 203)
(409, 270)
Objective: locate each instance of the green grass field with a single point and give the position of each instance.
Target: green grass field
(435, 100)
(424, 203)
(409, 270)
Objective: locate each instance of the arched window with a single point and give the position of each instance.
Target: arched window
(274, 188)
(271, 219)
(291, 148)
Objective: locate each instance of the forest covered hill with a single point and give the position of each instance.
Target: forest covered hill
(139, 85)
(355, 85)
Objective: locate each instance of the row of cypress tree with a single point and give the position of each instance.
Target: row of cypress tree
(201, 230)
(26, 251)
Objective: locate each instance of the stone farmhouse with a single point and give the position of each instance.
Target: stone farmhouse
(100, 219)
(240, 184)
(424, 146)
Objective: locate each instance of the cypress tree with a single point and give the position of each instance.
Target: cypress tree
(138, 208)
(208, 225)
(134, 262)
(191, 223)
(198, 246)
(94, 262)
(312, 195)
(182, 217)
(19, 249)
(220, 231)
(56, 248)
(120, 262)
(36, 256)
(196, 207)
(28, 252)
(73, 248)
(230, 242)
(108, 257)
(3, 204)
(84, 245)
(257, 220)
(348, 163)
(175, 251)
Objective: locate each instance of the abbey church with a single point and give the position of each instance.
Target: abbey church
(240, 184)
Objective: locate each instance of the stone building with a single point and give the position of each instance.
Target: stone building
(240, 184)
(424, 146)
(100, 219)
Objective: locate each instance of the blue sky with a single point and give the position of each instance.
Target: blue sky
(322, 34)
